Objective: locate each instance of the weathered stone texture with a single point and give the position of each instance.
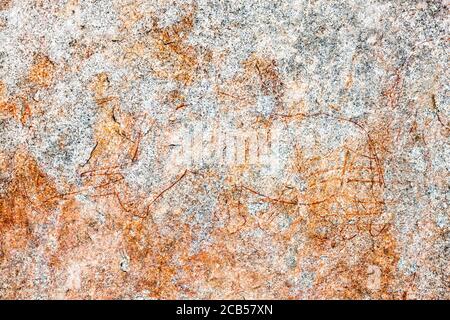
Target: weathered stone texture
(99, 99)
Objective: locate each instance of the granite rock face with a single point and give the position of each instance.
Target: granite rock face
(224, 149)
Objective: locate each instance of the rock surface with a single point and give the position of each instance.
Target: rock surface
(224, 149)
